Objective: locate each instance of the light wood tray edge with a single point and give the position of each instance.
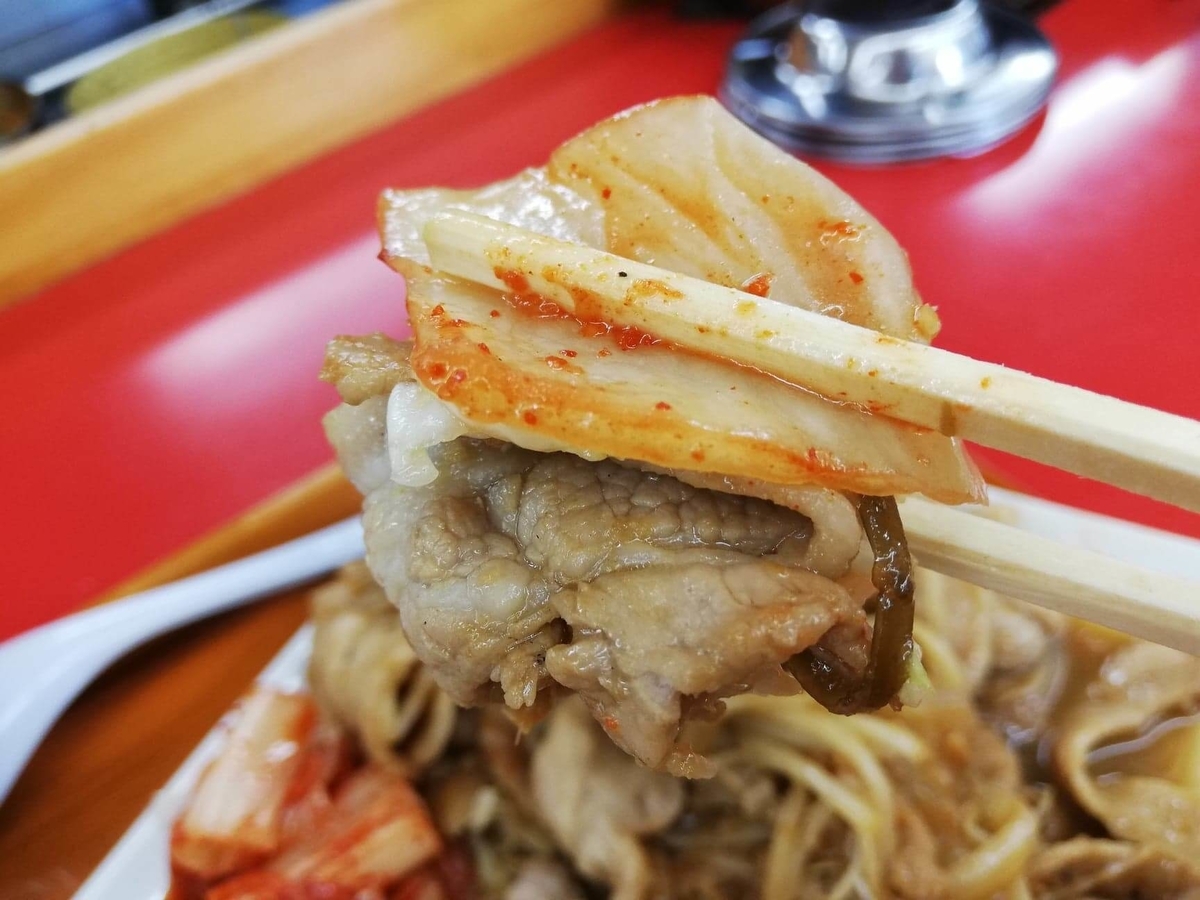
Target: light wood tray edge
(90, 186)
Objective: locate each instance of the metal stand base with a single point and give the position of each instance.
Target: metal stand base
(896, 81)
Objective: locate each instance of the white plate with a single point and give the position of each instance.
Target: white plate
(137, 868)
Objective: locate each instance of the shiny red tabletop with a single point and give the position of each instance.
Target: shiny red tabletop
(161, 392)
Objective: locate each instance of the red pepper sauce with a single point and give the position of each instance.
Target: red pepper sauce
(588, 314)
(589, 317)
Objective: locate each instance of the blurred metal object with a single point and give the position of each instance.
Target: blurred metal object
(877, 82)
(76, 67)
(36, 34)
(23, 101)
(164, 55)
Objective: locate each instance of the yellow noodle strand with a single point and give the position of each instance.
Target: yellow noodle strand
(785, 857)
(888, 739)
(829, 733)
(940, 659)
(998, 861)
(854, 810)
(814, 826)
(850, 880)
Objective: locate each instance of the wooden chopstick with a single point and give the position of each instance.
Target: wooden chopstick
(1134, 447)
(1057, 576)
(1141, 449)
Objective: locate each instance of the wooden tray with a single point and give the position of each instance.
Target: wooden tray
(87, 187)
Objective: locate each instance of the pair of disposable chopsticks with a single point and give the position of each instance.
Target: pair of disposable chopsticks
(1136, 448)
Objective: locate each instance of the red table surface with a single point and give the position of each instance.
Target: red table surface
(161, 392)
